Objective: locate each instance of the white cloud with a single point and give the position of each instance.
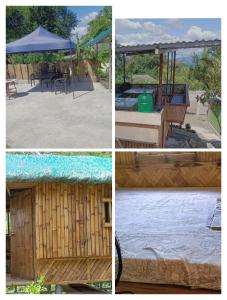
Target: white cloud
(81, 30)
(127, 24)
(153, 28)
(89, 17)
(144, 38)
(196, 33)
(131, 32)
(176, 23)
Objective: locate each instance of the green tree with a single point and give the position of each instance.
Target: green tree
(101, 23)
(21, 20)
(15, 23)
(207, 70)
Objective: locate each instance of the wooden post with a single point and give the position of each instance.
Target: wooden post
(124, 67)
(174, 68)
(160, 80)
(167, 76)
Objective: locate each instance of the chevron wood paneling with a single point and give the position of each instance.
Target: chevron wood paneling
(78, 270)
(182, 169)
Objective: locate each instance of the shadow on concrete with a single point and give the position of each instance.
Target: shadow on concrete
(76, 84)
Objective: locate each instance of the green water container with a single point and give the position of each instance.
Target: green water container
(145, 102)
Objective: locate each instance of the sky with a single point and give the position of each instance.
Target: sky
(149, 31)
(84, 14)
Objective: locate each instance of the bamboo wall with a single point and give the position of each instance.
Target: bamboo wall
(70, 221)
(175, 169)
(73, 244)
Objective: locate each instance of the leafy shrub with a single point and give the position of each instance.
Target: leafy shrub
(36, 287)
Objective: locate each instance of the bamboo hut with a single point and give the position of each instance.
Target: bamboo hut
(59, 218)
(168, 221)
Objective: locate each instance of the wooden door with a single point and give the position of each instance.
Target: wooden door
(22, 256)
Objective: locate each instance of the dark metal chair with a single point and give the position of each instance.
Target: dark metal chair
(61, 82)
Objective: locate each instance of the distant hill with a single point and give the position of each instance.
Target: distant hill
(187, 60)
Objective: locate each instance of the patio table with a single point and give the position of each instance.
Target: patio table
(48, 77)
(129, 104)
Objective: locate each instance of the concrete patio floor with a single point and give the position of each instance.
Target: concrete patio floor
(37, 119)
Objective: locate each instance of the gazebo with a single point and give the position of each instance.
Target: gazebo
(40, 40)
(171, 100)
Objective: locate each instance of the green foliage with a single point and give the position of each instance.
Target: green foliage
(15, 23)
(204, 74)
(105, 285)
(207, 70)
(36, 287)
(216, 112)
(101, 23)
(22, 20)
(45, 57)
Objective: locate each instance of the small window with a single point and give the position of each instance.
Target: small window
(107, 210)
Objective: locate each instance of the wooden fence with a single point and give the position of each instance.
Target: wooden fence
(24, 71)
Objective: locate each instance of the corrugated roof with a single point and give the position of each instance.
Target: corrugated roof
(145, 48)
(58, 168)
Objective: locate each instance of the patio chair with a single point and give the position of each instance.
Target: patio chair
(61, 83)
(34, 77)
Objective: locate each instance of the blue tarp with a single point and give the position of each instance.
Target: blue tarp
(39, 40)
(101, 36)
(58, 168)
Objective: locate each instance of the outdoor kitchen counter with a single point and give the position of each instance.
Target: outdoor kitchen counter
(137, 126)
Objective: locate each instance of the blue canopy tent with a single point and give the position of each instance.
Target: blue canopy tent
(40, 40)
(96, 40)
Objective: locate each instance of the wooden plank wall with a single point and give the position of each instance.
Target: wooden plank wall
(21, 240)
(175, 169)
